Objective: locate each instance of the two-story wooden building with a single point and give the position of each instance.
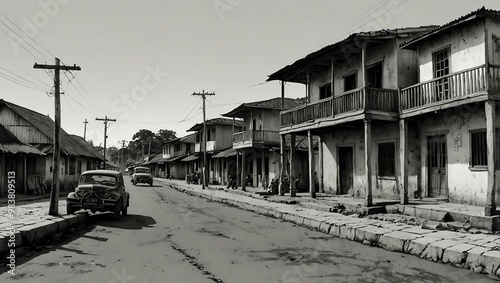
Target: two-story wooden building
(449, 117)
(219, 137)
(352, 107)
(173, 152)
(260, 137)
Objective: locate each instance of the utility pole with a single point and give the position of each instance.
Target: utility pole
(149, 150)
(106, 120)
(85, 128)
(54, 190)
(203, 95)
(123, 149)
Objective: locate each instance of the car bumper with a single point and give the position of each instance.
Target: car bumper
(143, 180)
(100, 205)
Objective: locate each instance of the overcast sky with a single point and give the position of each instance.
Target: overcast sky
(141, 60)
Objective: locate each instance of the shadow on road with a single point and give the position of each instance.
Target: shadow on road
(131, 221)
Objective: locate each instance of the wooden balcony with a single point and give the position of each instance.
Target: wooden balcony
(357, 102)
(468, 86)
(256, 138)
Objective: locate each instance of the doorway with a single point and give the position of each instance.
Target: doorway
(437, 159)
(346, 169)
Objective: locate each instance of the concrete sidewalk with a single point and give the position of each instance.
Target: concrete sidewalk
(478, 252)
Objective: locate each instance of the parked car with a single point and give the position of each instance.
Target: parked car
(142, 175)
(99, 190)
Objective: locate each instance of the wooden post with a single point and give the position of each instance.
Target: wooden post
(263, 169)
(291, 180)
(283, 164)
(312, 187)
(403, 154)
(255, 177)
(368, 167)
(363, 74)
(24, 177)
(321, 166)
(3, 181)
(332, 86)
(490, 145)
(237, 168)
(243, 165)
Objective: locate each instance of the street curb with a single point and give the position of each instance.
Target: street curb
(34, 234)
(4, 202)
(439, 246)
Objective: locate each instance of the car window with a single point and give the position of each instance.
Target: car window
(142, 170)
(98, 179)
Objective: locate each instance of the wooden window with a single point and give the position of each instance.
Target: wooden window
(478, 149)
(188, 147)
(387, 159)
(350, 82)
(79, 167)
(325, 91)
(374, 75)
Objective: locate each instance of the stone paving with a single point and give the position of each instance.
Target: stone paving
(478, 252)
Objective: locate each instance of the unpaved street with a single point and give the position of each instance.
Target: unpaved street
(174, 237)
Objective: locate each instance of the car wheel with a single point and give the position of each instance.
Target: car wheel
(151, 184)
(125, 210)
(118, 210)
(69, 209)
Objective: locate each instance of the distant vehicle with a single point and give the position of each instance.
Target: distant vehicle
(99, 190)
(130, 170)
(142, 175)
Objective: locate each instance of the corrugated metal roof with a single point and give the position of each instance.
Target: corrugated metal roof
(87, 147)
(190, 158)
(274, 103)
(217, 121)
(10, 144)
(46, 125)
(226, 153)
(320, 60)
(479, 13)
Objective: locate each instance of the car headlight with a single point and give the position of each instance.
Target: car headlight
(79, 193)
(107, 194)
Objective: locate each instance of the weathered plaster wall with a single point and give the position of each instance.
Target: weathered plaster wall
(386, 187)
(493, 29)
(385, 52)
(466, 46)
(464, 184)
(407, 66)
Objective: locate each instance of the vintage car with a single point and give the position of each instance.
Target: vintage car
(99, 190)
(142, 175)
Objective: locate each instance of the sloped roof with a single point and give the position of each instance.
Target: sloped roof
(274, 103)
(155, 159)
(217, 121)
(46, 125)
(191, 138)
(86, 148)
(10, 144)
(321, 60)
(226, 153)
(479, 13)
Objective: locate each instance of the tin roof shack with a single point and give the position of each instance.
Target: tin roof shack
(261, 125)
(451, 112)
(219, 137)
(352, 105)
(17, 161)
(36, 129)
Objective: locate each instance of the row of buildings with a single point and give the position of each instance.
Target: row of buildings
(392, 114)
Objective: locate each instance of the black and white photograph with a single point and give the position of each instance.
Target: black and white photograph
(235, 141)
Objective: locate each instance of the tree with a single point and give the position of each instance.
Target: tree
(142, 139)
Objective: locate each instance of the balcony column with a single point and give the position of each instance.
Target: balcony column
(263, 169)
(320, 163)
(308, 87)
(283, 164)
(489, 106)
(237, 169)
(332, 86)
(312, 187)
(403, 155)
(363, 73)
(291, 180)
(243, 165)
(255, 176)
(368, 167)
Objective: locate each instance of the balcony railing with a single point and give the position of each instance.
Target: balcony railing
(385, 100)
(450, 87)
(256, 136)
